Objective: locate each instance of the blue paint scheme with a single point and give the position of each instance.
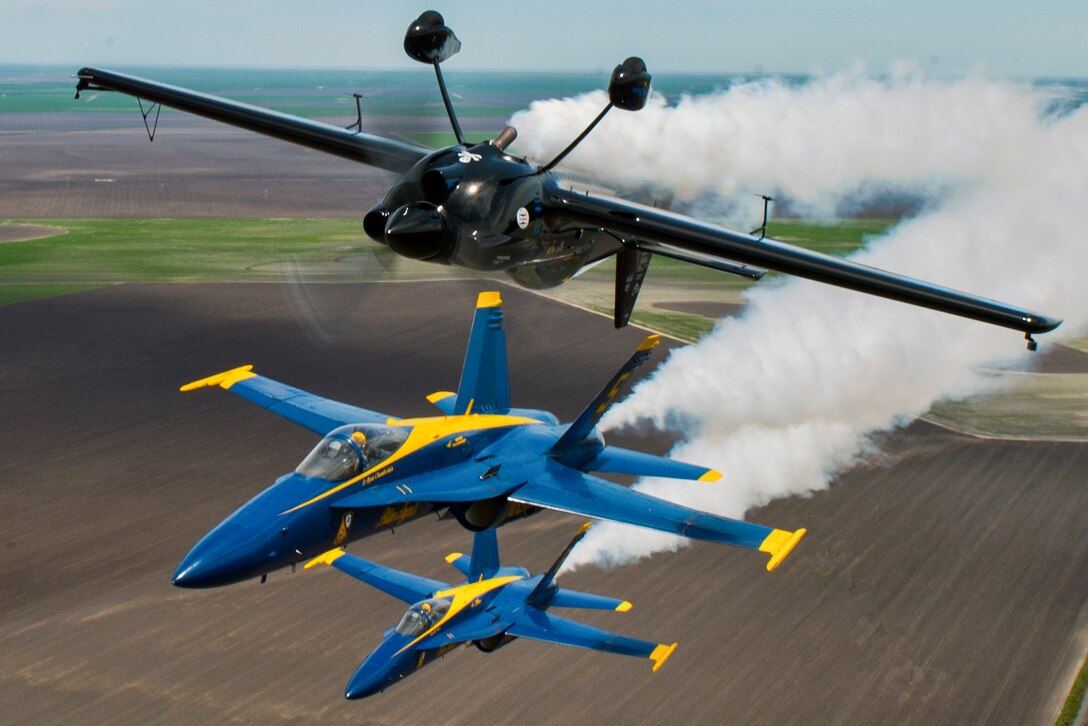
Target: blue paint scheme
(486, 468)
(482, 611)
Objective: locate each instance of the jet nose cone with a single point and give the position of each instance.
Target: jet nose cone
(382, 669)
(362, 685)
(418, 231)
(226, 555)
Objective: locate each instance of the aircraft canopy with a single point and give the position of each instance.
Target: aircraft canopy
(350, 450)
(422, 616)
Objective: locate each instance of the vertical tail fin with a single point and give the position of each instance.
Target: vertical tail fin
(485, 384)
(586, 422)
(485, 555)
(542, 593)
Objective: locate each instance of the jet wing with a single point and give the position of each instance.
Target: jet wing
(536, 624)
(568, 490)
(617, 460)
(401, 585)
(365, 148)
(680, 237)
(320, 415)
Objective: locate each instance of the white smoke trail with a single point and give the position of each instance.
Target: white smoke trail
(786, 395)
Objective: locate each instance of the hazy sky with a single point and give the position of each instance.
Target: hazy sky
(1002, 37)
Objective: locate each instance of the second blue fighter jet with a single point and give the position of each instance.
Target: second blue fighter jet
(495, 605)
(482, 461)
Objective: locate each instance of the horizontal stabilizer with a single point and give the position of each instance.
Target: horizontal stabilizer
(539, 625)
(320, 415)
(588, 601)
(614, 460)
(459, 562)
(401, 585)
(444, 400)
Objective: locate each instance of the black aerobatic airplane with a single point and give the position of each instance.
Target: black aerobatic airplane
(477, 206)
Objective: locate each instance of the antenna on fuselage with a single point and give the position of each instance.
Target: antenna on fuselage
(429, 40)
(629, 89)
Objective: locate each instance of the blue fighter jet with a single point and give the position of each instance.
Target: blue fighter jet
(481, 461)
(494, 606)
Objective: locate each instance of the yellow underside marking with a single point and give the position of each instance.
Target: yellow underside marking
(226, 379)
(425, 431)
(778, 544)
(661, 654)
(650, 342)
(488, 300)
(325, 559)
(463, 596)
(623, 607)
(711, 475)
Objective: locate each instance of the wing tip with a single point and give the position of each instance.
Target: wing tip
(454, 556)
(778, 544)
(649, 343)
(326, 558)
(488, 300)
(661, 654)
(623, 607)
(226, 379)
(439, 396)
(711, 475)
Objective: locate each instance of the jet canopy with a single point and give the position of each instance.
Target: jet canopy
(422, 615)
(351, 450)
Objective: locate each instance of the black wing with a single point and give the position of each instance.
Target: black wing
(674, 235)
(365, 148)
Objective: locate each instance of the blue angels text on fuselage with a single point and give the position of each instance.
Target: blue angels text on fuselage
(495, 606)
(482, 461)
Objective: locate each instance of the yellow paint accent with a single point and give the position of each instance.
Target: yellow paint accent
(711, 475)
(488, 300)
(623, 607)
(393, 515)
(650, 342)
(325, 559)
(226, 379)
(425, 431)
(440, 396)
(463, 596)
(468, 411)
(613, 393)
(778, 544)
(661, 654)
(453, 556)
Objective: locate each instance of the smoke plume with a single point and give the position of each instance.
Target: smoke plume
(785, 396)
